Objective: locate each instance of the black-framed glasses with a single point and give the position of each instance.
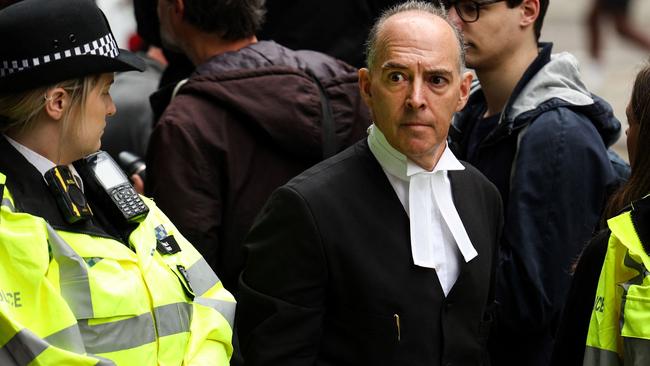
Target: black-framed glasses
(468, 11)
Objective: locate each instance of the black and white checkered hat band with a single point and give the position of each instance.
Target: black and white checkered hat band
(104, 46)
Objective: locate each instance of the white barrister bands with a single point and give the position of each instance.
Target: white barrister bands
(104, 46)
(438, 237)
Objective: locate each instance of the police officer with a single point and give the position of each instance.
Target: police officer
(619, 333)
(604, 320)
(80, 285)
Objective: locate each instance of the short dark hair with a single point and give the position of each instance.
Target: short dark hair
(230, 19)
(539, 22)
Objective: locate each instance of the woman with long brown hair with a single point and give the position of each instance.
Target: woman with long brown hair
(638, 146)
(591, 305)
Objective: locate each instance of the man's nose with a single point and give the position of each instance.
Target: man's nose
(416, 97)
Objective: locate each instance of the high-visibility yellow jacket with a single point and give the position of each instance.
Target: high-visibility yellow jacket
(69, 298)
(619, 330)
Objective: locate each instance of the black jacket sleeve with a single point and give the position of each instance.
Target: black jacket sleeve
(282, 288)
(571, 337)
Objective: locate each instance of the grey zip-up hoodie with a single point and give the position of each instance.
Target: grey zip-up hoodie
(548, 157)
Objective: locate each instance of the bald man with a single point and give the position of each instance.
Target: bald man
(385, 253)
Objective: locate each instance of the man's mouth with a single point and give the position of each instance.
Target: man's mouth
(415, 124)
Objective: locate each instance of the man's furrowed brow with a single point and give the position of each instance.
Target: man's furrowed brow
(393, 65)
(439, 71)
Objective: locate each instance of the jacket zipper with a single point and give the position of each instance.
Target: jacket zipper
(399, 331)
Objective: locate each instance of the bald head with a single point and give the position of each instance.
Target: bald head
(406, 14)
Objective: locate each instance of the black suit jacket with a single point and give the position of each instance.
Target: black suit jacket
(330, 278)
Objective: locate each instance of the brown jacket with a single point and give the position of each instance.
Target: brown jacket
(244, 124)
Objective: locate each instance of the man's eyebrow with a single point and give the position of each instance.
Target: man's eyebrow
(393, 65)
(439, 71)
(431, 70)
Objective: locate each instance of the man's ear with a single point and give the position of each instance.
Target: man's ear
(465, 86)
(56, 102)
(529, 12)
(365, 86)
(179, 7)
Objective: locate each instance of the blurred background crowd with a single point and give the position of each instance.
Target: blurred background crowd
(566, 25)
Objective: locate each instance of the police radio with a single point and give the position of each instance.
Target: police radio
(107, 184)
(69, 197)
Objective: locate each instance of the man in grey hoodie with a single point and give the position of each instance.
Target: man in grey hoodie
(541, 137)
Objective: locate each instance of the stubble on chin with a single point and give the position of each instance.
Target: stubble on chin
(168, 42)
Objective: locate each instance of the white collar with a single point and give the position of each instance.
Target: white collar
(41, 163)
(399, 165)
(429, 192)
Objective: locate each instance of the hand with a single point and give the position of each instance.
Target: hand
(138, 183)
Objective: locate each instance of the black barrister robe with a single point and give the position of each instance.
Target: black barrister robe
(329, 272)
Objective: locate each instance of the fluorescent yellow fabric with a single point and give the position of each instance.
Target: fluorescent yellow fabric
(128, 305)
(29, 298)
(620, 321)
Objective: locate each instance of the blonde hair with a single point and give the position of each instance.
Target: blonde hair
(19, 111)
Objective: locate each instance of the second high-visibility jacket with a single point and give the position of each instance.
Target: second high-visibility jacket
(73, 298)
(619, 330)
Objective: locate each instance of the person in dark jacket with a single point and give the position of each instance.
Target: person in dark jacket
(384, 254)
(571, 338)
(541, 137)
(335, 27)
(178, 67)
(250, 117)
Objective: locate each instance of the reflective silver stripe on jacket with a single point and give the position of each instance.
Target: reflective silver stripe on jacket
(638, 280)
(22, 349)
(68, 339)
(600, 357)
(26, 346)
(73, 276)
(225, 308)
(637, 351)
(202, 277)
(7, 203)
(103, 361)
(127, 333)
(118, 335)
(137, 331)
(173, 318)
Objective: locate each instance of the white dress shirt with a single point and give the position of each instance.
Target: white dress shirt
(41, 163)
(438, 237)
